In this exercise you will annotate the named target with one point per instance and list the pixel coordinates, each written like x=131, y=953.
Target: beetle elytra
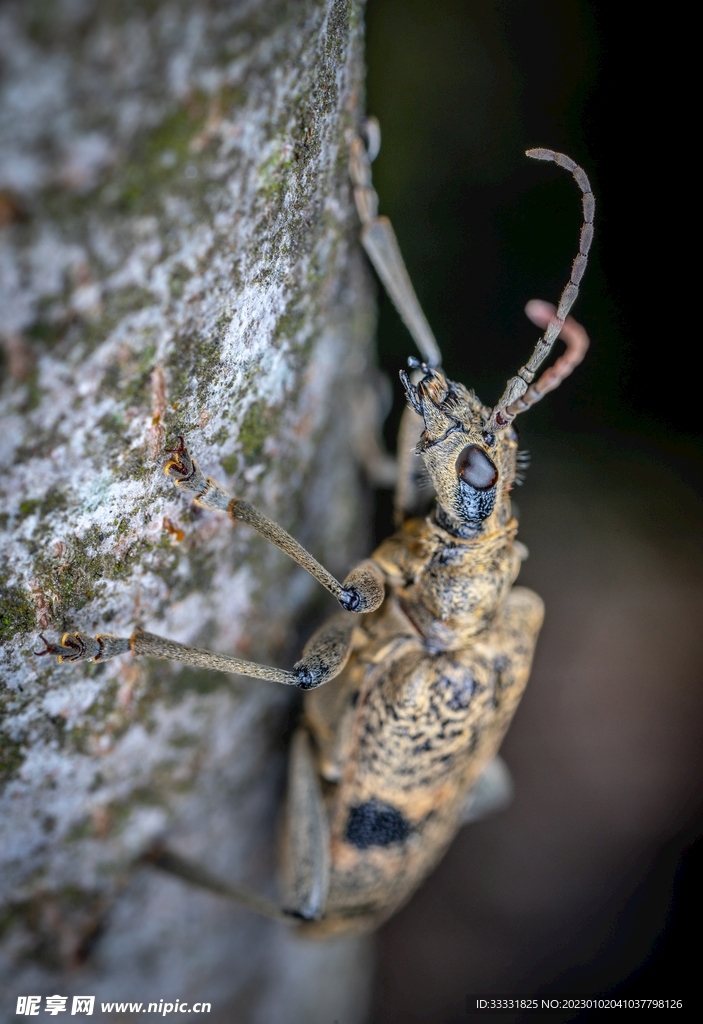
x=426, y=661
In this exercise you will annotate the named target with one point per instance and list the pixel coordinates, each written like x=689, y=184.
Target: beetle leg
x=306, y=849
x=82, y=647
x=356, y=594
x=324, y=656
x=381, y=245
x=173, y=864
x=306, y=835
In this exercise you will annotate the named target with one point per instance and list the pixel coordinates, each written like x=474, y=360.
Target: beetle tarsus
x=350, y=599
x=49, y=648
x=182, y=467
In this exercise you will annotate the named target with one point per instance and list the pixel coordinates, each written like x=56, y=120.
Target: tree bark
x=178, y=255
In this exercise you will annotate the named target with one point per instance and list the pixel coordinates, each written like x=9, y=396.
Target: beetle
x=411, y=686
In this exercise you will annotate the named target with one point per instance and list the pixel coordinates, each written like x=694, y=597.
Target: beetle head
x=472, y=466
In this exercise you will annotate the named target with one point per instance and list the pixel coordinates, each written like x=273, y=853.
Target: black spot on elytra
x=376, y=824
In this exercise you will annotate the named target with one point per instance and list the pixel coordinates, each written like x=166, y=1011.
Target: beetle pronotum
x=427, y=660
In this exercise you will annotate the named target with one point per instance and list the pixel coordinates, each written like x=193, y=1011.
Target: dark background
x=462, y=89
x=587, y=883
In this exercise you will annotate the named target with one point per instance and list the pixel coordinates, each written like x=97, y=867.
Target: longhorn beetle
x=426, y=662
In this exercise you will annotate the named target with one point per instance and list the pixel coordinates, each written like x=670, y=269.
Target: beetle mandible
x=432, y=649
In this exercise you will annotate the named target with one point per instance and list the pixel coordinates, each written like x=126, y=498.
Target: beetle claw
x=181, y=467
x=49, y=648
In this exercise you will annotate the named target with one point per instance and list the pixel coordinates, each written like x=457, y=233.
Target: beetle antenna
x=520, y=392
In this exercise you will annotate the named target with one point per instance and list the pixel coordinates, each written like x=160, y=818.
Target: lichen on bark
x=178, y=255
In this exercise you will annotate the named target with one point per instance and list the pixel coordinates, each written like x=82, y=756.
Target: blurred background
x=588, y=883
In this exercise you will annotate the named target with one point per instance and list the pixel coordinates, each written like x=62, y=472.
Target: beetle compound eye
x=475, y=468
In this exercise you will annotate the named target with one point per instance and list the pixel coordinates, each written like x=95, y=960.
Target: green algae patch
x=28, y=507
x=53, y=501
x=47, y=332
x=289, y=325
x=275, y=174
x=80, y=573
x=192, y=368
x=230, y=464
x=11, y=758
x=129, y=379
x=17, y=612
x=158, y=159
x=257, y=425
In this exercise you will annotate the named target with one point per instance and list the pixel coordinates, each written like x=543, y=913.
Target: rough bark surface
x=178, y=255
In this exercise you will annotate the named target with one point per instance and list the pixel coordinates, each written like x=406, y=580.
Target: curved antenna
x=520, y=392
x=378, y=238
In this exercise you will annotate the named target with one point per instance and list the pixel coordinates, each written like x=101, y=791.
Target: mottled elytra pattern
x=427, y=661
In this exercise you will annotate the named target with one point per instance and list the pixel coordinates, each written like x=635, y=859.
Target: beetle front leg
x=362, y=591
x=381, y=245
